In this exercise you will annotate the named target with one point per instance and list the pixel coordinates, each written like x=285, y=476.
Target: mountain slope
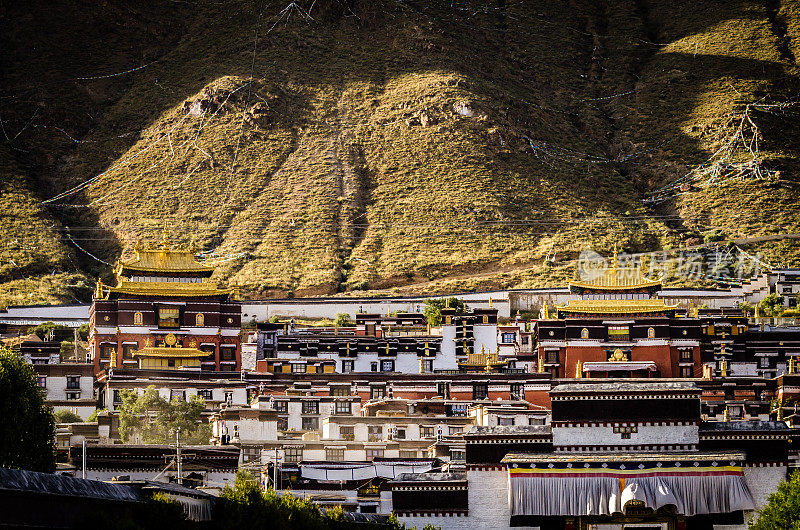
x=328, y=146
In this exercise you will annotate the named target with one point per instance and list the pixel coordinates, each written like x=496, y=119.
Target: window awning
x=697, y=483
x=620, y=366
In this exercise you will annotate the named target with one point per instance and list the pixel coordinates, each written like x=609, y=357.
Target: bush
x=782, y=509
x=66, y=416
x=342, y=319
x=434, y=306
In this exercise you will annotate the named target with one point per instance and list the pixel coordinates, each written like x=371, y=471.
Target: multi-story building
x=166, y=313
x=68, y=386
x=618, y=328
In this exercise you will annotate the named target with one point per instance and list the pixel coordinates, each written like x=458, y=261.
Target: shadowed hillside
x=337, y=145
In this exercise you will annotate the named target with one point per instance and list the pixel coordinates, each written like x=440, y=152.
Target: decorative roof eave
x=615, y=307
x=641, y=284
x=168, y=289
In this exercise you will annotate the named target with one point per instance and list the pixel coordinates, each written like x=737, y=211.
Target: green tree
x=93, y=415
x=247, y=505
x=782, y=510
x=342, y=319
x=27, y=429
x=66, y=416
x=771, y=306
x=154, y=420
x=434, y=306
x=60, y=332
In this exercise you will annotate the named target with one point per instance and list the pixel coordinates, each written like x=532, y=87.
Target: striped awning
x=602, y=484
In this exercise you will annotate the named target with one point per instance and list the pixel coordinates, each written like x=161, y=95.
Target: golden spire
x=579, y=370
x=541, y=364
x=490, y=302
x=164, y=236
x=447, y=303
x=614, y=260
x=726, y=416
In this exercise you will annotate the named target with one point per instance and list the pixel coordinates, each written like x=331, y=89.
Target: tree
x=59, y=331
x=93, y=415
x=782, y=509
x=342, y=319
x=66, y=416
x=434, y=306
x=771, y=306
x=247, y=505
x=27, y=429
x=153, y=420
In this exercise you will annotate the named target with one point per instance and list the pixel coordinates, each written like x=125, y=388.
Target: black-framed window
x=480, y=391
x=551, y=356
x=169, y=317
x=205, y=394
x=372, y=454
x=374, y=433
x=128, y=349
x=73, y=382
x=340, y=390
x=343, y=407
x=517, y=391
x=281, y=406
x=508, y=337
x=42, y=381
x=227, y=353
x=298, y=368
x=443, y=390
x=387, y=366
x=310, y=407
x=347, y=432
x=348, y=366
x=377, y=392
x=334, y=454
x=293, y=454
x=310, y=423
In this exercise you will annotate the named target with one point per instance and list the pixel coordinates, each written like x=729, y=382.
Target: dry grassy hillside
x=387, y=145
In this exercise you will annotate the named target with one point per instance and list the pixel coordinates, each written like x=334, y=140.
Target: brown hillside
x=339, y=145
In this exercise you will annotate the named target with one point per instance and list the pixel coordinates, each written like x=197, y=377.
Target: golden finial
x=541, y=364
x=164, y=236
x=726, y=415
x=780, y=410
x=614, y=260
x=98, y=293
x=490, y=302
x=447, y=303
x=579, y=370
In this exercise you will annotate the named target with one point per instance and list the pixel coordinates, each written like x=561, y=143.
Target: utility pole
x=275, y=472
x=180, y=462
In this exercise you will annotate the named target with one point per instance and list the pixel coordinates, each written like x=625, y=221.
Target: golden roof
x=164, y=261
x=651, y=305
x=166, y=351
x=615, y=278
x=164, y=258
x=480, y=360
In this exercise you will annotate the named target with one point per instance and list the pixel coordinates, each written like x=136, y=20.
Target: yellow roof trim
x=168, y=288
x=653, y=305
x=165, y=351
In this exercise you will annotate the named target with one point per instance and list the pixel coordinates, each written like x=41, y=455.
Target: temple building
x=618, y=327
x=616, y=455
x=165, y=313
